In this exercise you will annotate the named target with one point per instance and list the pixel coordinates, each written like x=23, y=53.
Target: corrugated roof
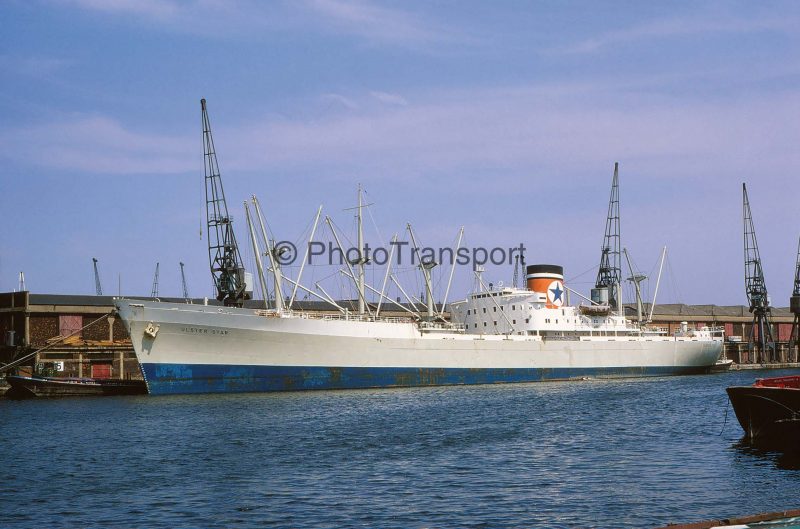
x=666, y=309
x=108, y=301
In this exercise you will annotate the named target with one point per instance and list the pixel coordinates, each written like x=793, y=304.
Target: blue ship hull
x=166, y=379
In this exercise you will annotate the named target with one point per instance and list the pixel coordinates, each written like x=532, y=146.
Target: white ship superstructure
x=541, y=310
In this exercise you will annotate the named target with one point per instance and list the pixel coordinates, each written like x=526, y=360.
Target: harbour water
x=595, y=453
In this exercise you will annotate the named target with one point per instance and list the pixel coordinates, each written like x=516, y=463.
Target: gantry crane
x=223, y=253
x=794, y=306
x=154, y=290
x=610, y=273
x=183, y=282
x=760, y=342
x=98, y=289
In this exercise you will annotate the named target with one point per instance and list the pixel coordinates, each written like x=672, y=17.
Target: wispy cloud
x=389, y=99
x=504, y=135
x=378, y=23
x=339, y=101
x=33, y=65
x=558, y=129
x=678, y=27
x=155, y=9
x=369, y=22
x=99, y=145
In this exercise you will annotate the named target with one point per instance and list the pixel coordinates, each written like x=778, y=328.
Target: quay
x=776, y=365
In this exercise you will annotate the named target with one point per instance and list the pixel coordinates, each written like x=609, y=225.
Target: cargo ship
x=495, y=335
x=498, y=335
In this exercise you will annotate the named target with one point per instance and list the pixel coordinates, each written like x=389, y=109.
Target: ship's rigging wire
x=573, y=279
x=344, y=284
x=676, y=294
x=725, y=422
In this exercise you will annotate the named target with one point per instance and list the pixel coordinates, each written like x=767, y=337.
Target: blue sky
x=504, y=117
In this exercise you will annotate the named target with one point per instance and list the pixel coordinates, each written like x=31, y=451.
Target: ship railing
x=556, y=338
x=309, y=315
x=650, y=330
x=716, y=332
x=432, y=326
x=357, y=317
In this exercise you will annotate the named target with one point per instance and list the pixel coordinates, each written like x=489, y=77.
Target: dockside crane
x=760, y=341
x=223, y=253
x=98, y=289
x=794, y=306
x=183, y=282
x=607, y=286
x=154, y=291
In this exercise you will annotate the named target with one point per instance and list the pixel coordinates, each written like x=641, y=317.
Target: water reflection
x=784, y=454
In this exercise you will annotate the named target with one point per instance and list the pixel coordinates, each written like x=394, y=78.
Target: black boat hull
x=767, y=413
x=29, y=387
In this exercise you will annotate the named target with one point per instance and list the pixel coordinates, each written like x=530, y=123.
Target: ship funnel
x=547, y=280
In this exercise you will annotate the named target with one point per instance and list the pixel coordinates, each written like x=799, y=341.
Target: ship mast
x=636, y=279
x=658, y=282
x=426, y=265
x=274, y=253
x=361, y=255
x=223, y=253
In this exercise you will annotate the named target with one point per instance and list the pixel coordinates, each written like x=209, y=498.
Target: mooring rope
x=725, y=422
x=18, y=361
